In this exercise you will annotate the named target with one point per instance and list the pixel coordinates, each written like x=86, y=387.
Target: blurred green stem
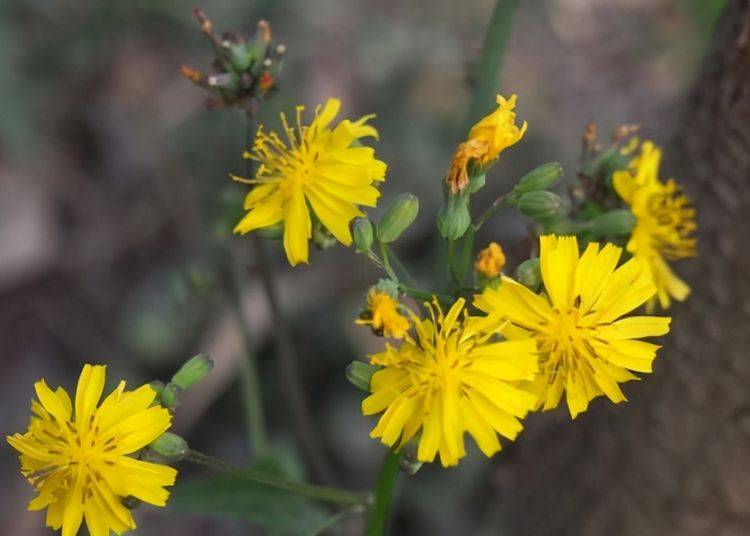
x=321, y=493
x=491, y=211
x=455, y=274
x=287, y=353
x=486, y=75
x=377, y=515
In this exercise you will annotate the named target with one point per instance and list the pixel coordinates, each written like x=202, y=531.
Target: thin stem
x=424, y=295
x=486, y=75
x=287, y=353
x=322, y=493
x=452, y=263
x=377, y=515
x=385, y=258
x=250, y=389
x=401, y=267
x=487, y=214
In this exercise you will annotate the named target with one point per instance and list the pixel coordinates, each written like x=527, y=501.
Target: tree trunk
x=676, y=458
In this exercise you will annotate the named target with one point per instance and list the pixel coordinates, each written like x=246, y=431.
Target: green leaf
x=237, y=498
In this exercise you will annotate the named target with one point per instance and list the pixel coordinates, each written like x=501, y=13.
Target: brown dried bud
x=194, y=75
x=589, y=136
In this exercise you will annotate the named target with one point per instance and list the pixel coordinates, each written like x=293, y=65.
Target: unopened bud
x=529, y=274
x=490, y=260
x=170, y=396
x=541, y=205
x=398, y=218
x=363, y=235
x=359, y=374
x=170, y=446
x=193, y=371
x=454, y=217
x=613, y=223
x=542, y=178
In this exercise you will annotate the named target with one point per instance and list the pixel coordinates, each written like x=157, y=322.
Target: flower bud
x=399, y=216
x=454, y=217
x=542, y=178
x=362, y=231
x=170, y=446
x=613, y=223
x=541, y=205
x=193, y=371
x=359, y=374
x=490, y=260
x=529, y=274
x=170, y=396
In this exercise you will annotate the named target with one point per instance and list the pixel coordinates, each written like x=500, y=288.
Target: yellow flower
x=318, y=168
x=585, y=348
x=383, y=315
x=77, y=457
x=450, y=380
x=490, y=260
x=664, y=225
x=487, y=139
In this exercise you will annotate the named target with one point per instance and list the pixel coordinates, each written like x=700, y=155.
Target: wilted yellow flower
x=319, y=168
x=490, y=260
x=450, y=380
x=78, y=457
x=383, y=315
x=585, y=348
x=487, y=139
x=664, y=225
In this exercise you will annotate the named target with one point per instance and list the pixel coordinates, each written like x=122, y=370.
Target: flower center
x=563, y=341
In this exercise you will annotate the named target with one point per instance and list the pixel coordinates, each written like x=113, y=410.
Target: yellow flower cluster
x=383, y=315
x=490, y=260
x=80, y=455
x=482, y=374
x=319, y=169
x=664, y=225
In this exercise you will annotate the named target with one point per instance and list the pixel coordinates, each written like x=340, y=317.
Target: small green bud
x=541, y=205
x=541, y=178
x=359, y=374
x=170, y=446
x=454, y=217
x=241, y=56
x=613, y=223
x=388, y=286
x=170, y=396
x=321, y=237
x=529, y=274
x=193, y=371
x=398, y=218
x=362, y=231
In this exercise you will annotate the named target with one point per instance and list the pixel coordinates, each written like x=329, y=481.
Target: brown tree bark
x=676, y=458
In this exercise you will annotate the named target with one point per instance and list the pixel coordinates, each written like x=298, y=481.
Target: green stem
x=486, y=75
x=322, y=493
x=487, y=214
x=400, y=266
x=385, y=259
x=250, y=390
x=377, y=515
x=452, y=263
x=424, y=295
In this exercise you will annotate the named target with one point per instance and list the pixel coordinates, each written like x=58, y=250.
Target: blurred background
x=113, y=177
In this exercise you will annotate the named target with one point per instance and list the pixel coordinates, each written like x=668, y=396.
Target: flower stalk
x=377, y=515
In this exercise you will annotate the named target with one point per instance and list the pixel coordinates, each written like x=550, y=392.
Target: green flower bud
x=359, y=374
x=193, y=371
x=399, y=216
x=541, y=205
x=454, y=217
x=170, y=396
x=542, y=178
x=529, y=274
x=362, y=231
x=388, y=286
x=170, y=446
x=321, y=237
x=613, y=223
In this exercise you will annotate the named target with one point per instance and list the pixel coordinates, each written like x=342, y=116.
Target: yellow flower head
x=450, y=380
x=319, y=168
x=487, y=139
x=79, y=457
x=490, y=260
x=585, y=348
x=664, y=225
x=383, y=315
